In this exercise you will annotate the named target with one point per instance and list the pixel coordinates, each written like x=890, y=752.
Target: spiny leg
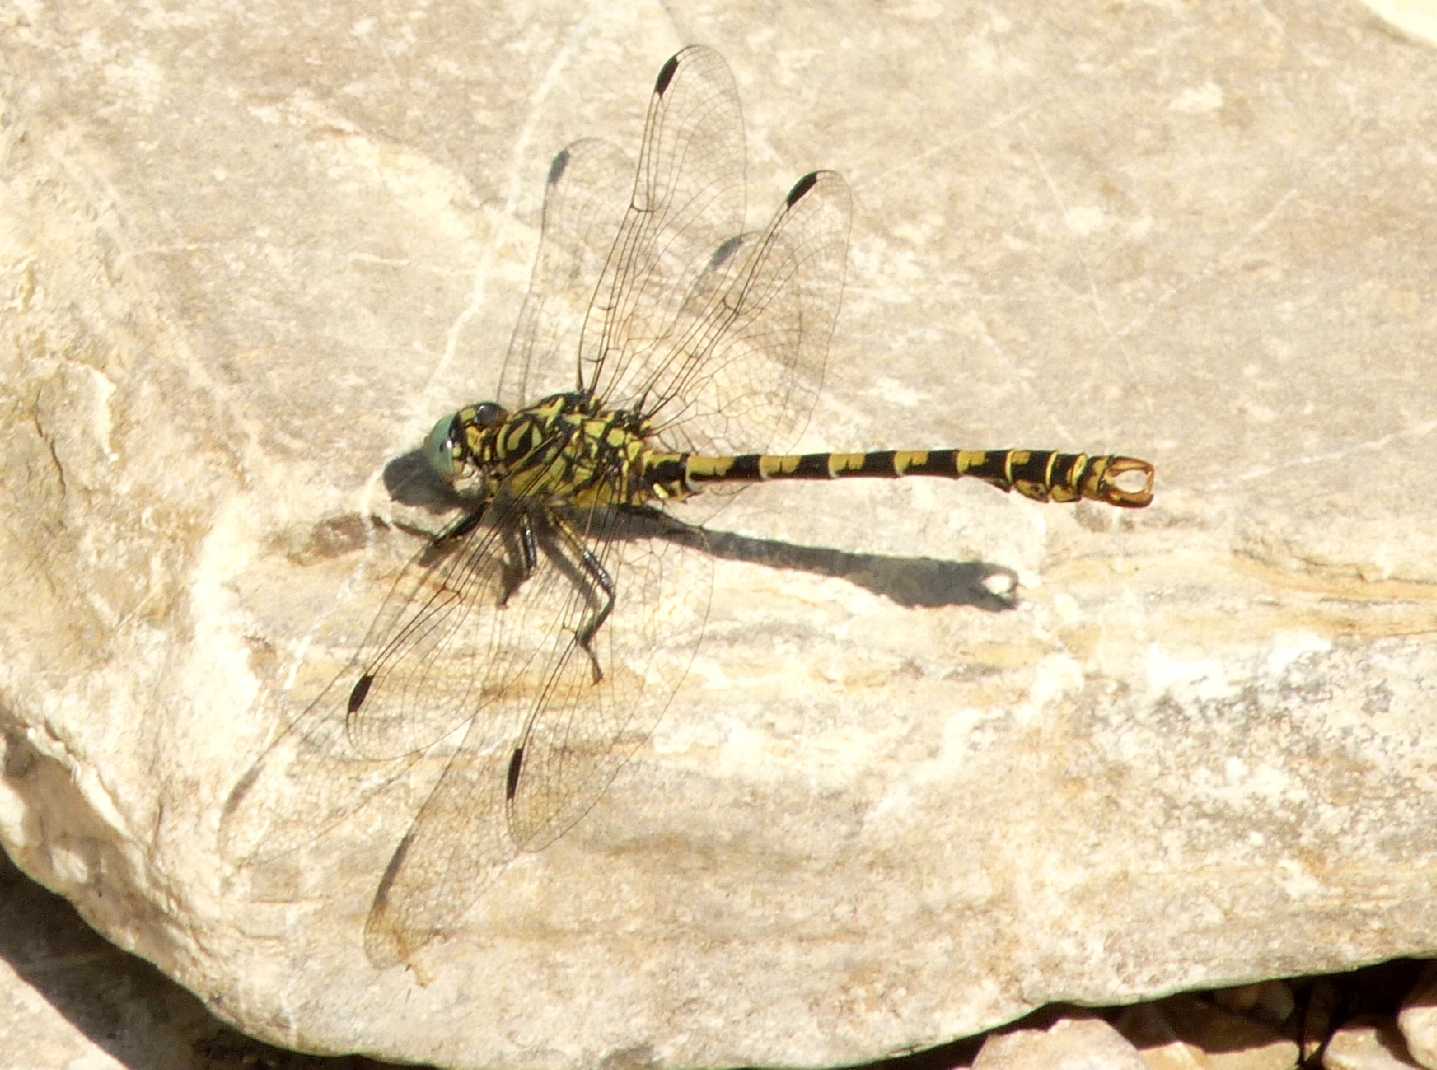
x=668, y=524
x=461, y=527
x=594, y=568
x=528, y=548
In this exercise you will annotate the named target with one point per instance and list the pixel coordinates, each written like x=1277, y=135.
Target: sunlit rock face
x=934, y=755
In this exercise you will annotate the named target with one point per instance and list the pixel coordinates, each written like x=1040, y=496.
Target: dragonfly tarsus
x=594, y=569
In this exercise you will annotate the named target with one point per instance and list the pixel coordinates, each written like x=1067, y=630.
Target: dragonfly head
x=456, y=448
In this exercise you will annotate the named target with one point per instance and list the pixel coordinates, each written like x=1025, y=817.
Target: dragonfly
x=531, y=647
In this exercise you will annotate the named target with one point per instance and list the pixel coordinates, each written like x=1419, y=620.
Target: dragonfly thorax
x=563, y=449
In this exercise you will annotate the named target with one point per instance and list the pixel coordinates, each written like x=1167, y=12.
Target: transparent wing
x=448, y=642
x=467, y=665
x=455, y=847
x=583, y=717
x=531, y=651
x=305, y=783
x=585, y=196
x=753, y=335
x=688, y=198
x=578, y=735
x=438, y=652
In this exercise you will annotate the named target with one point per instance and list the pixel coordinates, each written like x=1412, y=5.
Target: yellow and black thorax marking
x=563, y=449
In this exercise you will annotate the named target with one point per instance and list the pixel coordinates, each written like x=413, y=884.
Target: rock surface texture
x=943, y=756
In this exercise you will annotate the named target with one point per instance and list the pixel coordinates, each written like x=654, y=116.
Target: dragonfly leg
x=596, y=572
x=461, y=527
x=668, y=524
x=528, y=549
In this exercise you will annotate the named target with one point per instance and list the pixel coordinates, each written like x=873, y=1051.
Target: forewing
x=687, y=199
x=441, y=649
x=584, y=200
x=437, y=653
x=756, y=329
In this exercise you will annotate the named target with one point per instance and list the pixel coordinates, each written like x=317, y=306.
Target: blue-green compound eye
x=439, y=448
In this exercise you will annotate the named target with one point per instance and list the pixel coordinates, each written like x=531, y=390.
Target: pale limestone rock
x=1368, y=1043
x=69, y=999
x=1416, y=18
x=1187, y=1032
x=246, y=264
x=1418, y=1019
x=1068, y=1044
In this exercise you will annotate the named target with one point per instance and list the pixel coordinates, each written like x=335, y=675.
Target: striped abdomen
x=1043, y=475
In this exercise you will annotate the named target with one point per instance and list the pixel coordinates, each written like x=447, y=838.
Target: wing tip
x=666, y=73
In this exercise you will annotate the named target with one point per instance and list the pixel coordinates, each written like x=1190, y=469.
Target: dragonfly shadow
x=909, y=581
x=410, y=480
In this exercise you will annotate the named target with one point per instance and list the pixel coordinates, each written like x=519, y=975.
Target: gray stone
x=1368, y=1042
x=1068, y=1044
x=1418, y=1019
x=1186, y=1031
x=898, y=799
